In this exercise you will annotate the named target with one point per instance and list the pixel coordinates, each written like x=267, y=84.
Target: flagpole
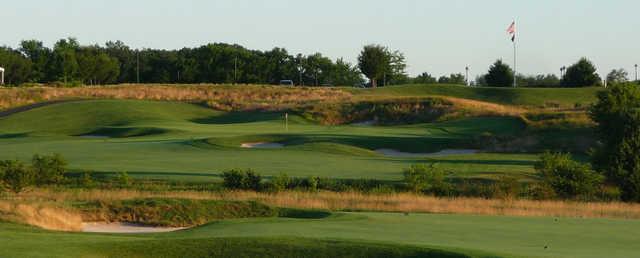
x=515, y=64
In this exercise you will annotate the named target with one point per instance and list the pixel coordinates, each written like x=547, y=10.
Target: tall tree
x=581, y=74
x=618, y=117
x=39, y=56
x=617, y=76
x=18, y=67
x=374, y=61
x=499, y=75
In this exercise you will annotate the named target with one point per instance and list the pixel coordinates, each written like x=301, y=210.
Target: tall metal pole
x=515, y=64
x=235, y=71
x=636, y=72
x=467, y=75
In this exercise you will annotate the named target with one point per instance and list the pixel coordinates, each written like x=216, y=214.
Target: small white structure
x=2, y=76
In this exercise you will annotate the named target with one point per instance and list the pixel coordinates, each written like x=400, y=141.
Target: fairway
x=476, y=236
x=184, y=141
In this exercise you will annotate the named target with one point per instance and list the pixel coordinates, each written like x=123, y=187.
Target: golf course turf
x=172, y=140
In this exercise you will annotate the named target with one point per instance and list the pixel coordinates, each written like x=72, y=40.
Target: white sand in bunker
x=124, y=228
x=400, y=154
x=262, y=145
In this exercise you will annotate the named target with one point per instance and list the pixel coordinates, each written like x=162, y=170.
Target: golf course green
x=191, y=142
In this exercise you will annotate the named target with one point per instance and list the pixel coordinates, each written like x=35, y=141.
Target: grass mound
x=267, y=247
x=537, y=97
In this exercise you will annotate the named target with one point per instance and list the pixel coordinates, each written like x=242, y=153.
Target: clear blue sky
x=437, y=36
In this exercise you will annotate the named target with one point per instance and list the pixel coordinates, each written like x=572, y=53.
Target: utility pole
x=636, y=72
x=466, y=77
x=137, y=66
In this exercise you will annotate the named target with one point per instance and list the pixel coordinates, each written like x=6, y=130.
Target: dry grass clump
x=223, y=97
x=40, y=215
x=481, y=108
x=354, y=201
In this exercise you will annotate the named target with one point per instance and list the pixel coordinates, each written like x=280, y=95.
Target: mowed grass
x=535, y=97
x=192, y=142
x=412, y=235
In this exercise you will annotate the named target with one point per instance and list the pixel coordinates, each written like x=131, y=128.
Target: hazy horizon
x=439, y=37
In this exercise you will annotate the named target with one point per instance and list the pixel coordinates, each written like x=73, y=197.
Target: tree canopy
x=581, y=74
x=499, y=75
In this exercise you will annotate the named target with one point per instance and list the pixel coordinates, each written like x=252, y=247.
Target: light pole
x=466, y=75
x=137, y=66
x=636, y=72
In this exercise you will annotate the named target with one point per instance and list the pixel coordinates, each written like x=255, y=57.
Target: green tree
x=18, y=68
x=65, y=59
x=39, y=56
x=374, y=61
x=499, y=75
x=581, y=74
x=567, y=178
x=17, y=176
x=48, y=169
x=617, y=76
x=425, y=78
x=452, y=79
x=617, y=114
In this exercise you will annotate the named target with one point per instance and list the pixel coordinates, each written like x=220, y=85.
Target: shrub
x=506, y=187
x=618, y=117
x=280, y=183
x=425, y=178
x=123, y=178
x=86, y=179
x=243, y=180
x=567, y=178
x=48, y=169
x=16, y=175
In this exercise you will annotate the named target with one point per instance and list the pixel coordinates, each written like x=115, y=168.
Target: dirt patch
x=125, y=228
x=400, y=154
x=262, y=145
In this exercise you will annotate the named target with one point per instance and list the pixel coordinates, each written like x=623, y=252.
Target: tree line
x=69, y=63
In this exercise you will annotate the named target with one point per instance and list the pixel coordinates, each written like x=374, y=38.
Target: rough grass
x=43, y=215
x=171, y=212
x=245, y=97
x=352, y=201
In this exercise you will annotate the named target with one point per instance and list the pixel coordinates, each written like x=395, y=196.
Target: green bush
x=123, y=178
x=506, y=187
x=48, y=169
x=567, y=178
x=242, y=180
x=426, y=178
x=16, y=175
x=617, y=114
x=280, y=183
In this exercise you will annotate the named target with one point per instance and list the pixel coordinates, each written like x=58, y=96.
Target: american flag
x=512, y=31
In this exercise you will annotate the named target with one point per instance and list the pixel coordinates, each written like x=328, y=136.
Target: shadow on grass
x=240, y=117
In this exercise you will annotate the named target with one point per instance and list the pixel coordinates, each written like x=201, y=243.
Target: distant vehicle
x=286, y=83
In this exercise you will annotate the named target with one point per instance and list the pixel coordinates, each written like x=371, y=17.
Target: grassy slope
x=475, y=235
x=566, y=97
x=184, y=139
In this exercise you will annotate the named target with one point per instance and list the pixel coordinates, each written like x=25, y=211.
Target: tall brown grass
x=354, y=201
x=224, y=97
x=42, y=215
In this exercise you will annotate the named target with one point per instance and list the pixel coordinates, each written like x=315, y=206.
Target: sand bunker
x=400, y=154
x=262, y=145
x=123, y=228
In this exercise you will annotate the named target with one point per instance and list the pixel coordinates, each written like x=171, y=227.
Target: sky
x=437, y=36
